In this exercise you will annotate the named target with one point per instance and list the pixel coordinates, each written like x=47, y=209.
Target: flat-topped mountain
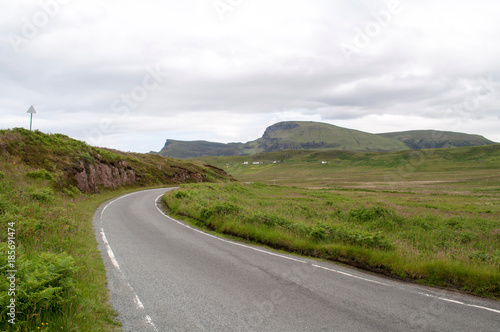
x=426, y=139
x=304, y=135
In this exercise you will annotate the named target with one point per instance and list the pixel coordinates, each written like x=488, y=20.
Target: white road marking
x=224, y=240
x=112, y=257
x=110, y=252
x=322, y=267
x=350, y=275
x=150, y=322
x=460, y=302
x=138, y=302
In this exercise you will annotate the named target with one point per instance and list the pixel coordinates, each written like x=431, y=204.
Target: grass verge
x=60, y=276
x=433, y=240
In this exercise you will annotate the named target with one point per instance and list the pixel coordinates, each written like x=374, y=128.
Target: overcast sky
x=129, y=74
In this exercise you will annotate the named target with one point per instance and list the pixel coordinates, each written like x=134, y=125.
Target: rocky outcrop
x=287, y=125
x=90, y=177
x=183, y=175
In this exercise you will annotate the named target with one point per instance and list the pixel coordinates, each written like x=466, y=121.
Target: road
x=166, y=276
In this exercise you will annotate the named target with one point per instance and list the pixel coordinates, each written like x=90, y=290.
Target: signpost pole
x=31, y=111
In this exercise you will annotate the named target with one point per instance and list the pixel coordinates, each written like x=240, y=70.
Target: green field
x=430, y=216
x=441, y=170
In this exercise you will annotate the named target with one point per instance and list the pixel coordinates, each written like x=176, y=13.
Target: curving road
x=166, y=276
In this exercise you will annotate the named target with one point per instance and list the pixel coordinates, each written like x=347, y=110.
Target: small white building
x=245, y=163
x=323, y=162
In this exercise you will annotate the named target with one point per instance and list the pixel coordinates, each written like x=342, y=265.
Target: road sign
x=31, y=111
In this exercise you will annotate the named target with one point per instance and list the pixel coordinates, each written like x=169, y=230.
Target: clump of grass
x=43, y=194
x=355, y=227
x=40, y=174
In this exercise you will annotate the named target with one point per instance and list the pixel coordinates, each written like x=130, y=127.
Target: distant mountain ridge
x=306, y=135
x=425, y=139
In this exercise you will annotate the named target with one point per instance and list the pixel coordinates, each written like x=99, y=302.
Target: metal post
x=31, y=111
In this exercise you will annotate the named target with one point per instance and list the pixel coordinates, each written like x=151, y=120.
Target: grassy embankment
x=60, y=276
x=437, y=223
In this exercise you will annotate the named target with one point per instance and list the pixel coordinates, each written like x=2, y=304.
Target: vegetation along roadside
x=50, y=187
x=432, y=239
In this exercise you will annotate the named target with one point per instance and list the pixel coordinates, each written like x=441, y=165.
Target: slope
x=287, y=135
x=297, y=135
x=426, y=139
x=47, y=242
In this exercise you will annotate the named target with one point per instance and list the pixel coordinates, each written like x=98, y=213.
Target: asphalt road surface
x=166, y=276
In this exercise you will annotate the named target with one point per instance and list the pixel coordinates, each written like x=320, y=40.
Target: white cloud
x=226, y=80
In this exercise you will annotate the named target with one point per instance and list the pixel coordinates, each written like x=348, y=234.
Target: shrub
x=43, y=195
x=4, y=204
x=371, y=213
x=181, y=194
x=268, y=219
x=43, y=283
x=40, y=174
x=347, y=234
x=220, y=208
x=71, y=191
x=319, y=232
x=86, y=158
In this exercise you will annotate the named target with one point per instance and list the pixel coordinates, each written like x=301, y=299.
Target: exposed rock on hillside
x=74, y=163
x=183, y=175
x=93, y=176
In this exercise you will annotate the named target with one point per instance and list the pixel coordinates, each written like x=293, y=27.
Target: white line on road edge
x=350, y=275
x=459, y=302
x=224, y=240
x=321, y=267
x=110, y=252
x=111, y=255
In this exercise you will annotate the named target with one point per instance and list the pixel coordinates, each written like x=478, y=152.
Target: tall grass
x=373, y=230
x=60, y=278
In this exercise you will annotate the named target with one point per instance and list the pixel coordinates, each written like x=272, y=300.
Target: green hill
x=194, y=149
x=50, y=188
x=427, y=139
x=298, y=135
x=301, y=135
x=285, y=136
x=74, y=163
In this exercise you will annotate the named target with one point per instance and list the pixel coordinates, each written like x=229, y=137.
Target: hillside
x=428, y=139
x=287, y=135
x=301, y=135
x=74, y=163
x=50, y=188
x=296, y=135
x=194, y=149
